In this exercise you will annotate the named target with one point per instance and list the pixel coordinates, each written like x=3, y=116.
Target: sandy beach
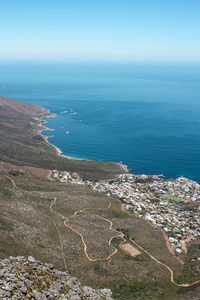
x=58, y=150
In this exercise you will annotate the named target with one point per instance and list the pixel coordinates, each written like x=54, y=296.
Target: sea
x=145, y=115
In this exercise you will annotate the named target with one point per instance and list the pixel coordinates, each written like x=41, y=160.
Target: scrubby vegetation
x=30, y=224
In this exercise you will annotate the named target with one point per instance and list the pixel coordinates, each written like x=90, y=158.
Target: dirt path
x=15, y=221
x=14, y=185
x=159, y=262
x=61, y=247
x=59, y=236
x=121, y=235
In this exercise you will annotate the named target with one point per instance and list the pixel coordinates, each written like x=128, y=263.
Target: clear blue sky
x=138, y=30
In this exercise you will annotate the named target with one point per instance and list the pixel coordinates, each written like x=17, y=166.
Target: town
x=172, y=205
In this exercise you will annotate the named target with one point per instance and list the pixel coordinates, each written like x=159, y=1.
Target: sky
x=110, y=30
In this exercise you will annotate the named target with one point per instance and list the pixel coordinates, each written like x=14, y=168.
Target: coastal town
x=172, y=205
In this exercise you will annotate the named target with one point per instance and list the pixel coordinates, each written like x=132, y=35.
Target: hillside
x=22, y=143
x=80, y=231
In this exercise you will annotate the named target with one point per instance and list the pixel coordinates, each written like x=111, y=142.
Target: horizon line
x=95, y=61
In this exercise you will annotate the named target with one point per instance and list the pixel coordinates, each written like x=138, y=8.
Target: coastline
x=58, y=151
x=42, y=127
x=124, y=167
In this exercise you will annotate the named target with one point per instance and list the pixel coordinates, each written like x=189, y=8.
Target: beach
x=148, y=122
x=58, y=150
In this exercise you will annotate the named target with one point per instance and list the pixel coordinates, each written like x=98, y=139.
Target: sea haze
x=147, y=116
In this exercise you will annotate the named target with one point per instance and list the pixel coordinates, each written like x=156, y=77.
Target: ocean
x=146, y=116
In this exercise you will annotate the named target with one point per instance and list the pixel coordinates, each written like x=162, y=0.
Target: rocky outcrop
x=22, y=278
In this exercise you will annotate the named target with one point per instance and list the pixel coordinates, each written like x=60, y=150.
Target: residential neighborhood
x=66, y=177
x=173, y=205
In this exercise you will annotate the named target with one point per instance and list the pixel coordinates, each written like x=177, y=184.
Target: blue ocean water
x=145, y=115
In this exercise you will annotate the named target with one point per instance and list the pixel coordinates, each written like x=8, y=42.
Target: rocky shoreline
x=27, y=278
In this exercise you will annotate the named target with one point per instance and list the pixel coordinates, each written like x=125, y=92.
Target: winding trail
x=59, y=235
x=170, y=270
x=115, y=249
x=15, y=221
x=121, y=235
x=14, y=185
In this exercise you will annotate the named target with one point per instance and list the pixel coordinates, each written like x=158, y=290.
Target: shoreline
x=41, y=127
x=58, y=150
x=60, y=153
x=124, y=167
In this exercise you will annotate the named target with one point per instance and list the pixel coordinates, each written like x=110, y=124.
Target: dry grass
x=32, y=232
x=28, y=224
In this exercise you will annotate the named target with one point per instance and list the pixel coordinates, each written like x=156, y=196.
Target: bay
x=145, y=115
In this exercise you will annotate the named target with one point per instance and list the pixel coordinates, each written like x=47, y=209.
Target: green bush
x=5, y=225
